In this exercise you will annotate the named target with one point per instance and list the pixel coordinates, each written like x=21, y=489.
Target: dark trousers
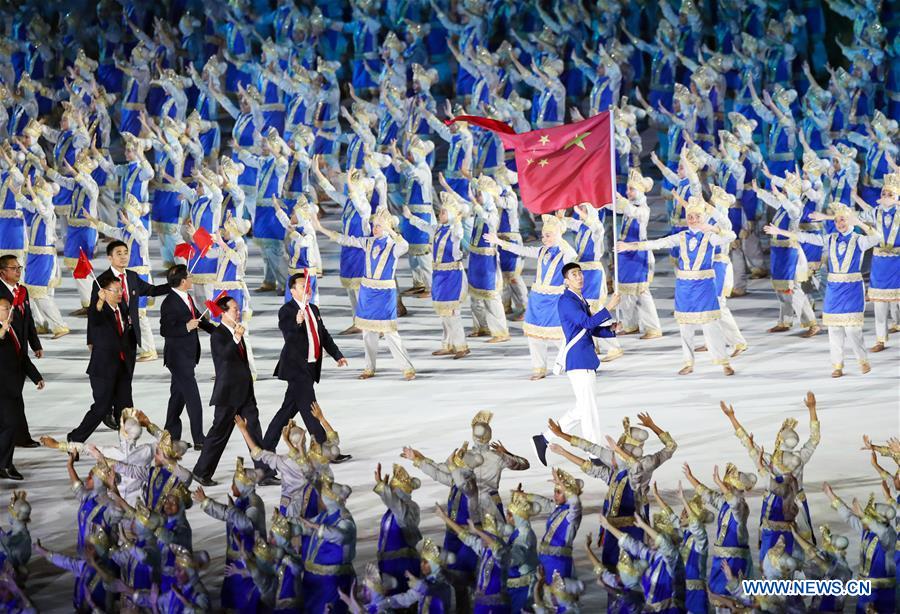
x=22, y=435
x=220, y=432
x=110, y=394
x=183, y=391
x=298, y=398
x=12, y=413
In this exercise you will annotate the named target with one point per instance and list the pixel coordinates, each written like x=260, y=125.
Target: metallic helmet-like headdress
x=400, y=479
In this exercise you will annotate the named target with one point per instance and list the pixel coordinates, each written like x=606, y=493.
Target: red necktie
x=241, y=349
x=19, y=298
x=16, y=342
x=124, y=288
x=314, y=330
x=191, y=305
x=120, y=329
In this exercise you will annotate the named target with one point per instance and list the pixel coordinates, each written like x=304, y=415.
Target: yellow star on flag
x=577, y=141
x=530, y=160
x=543, y=162
x=544, y=139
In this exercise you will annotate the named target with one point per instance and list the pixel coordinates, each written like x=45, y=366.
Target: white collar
x=181, y=293
x=117, y=273
x=11, y=288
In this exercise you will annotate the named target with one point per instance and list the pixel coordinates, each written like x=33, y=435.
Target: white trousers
x=454, y=335
x=148, y=342
x=883, y=309
x=836, y=337
x=585, y=412
x=488, y=316
x=795, y=304
x=353, y=295
x=251, y=361
x=395, y=345
x=515, y=292
x=752, y=249
x=203, y=293
x=639, y=312
x=730, y=331
x=84, y=290
x=712, y=336
x=538, y=349
x=739, y=266
x=420, y=268
x=46, y=313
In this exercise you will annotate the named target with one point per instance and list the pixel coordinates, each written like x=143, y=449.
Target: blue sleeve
x=573, y=312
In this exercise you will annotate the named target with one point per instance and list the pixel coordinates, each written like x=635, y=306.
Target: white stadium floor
x=377, y=417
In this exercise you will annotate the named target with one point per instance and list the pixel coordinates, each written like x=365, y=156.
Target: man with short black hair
x=300, y=363
x=179, y=319
x=23, y=322
x=16, y=366
x=111, y=366
x=578, y=357
x=133, y=287
x=232, y=393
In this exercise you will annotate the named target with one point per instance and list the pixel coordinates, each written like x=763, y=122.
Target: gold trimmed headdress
x=836, y=544
x=738, y=479
x=569, y=484
x=400, y=479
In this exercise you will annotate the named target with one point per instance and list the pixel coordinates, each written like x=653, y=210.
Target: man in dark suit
x=16, y=366
x=23, y=322
x=111, y=366
x=179, y=320
x=300, y=363
x=232, y=393
x=133, y=287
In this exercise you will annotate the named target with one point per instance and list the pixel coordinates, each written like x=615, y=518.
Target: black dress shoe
x=341, y=458
x=13, y=474
x=270, y=480
x=110, y=421
x=30, y=444
x=205, y=481
x=540, y=446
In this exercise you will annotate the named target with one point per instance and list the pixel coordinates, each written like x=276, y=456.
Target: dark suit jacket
x=137, y=287
x=234, y=383
x=292, y=364
x=108, y=343
x=15, y=368
x=24, y=325
x=182, y=346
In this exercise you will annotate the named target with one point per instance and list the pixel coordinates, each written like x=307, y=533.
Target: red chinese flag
x=19, y=297
x=214, y=310
x=202, y=239
x=83, y=268
x=306, y=285
x=564, y=166
x=184, y=250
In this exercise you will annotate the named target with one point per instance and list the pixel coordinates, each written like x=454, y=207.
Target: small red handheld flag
x=19, y=297
x=202, y=239
x=184, y=250
x=83, y=268
x=211, y=306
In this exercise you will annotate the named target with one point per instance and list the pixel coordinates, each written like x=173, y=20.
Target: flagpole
x=193, y=266
x=615, y=232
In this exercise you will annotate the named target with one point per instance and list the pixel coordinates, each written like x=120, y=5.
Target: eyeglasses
x=13, y=268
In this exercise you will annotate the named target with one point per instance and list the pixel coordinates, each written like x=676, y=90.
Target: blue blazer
x=575, y=316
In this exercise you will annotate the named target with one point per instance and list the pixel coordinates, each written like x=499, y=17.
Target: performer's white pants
x=203, y=293
x=395, y=344
x=251, y=361
x=836, y=337
x=353, y=295
x=752, y=249
x=46, y=313
x=106, y=207
x=730, y=331
x=84, y=290
x=712, y=335
x=148, y=343
x=882, y=311
x=538, y=349
x=454, y=335
x=585, y=412
x=795, y=303
x=420, y=268
x=488, y=316
x=739, y=266
x=515, y=292
x=639, y=311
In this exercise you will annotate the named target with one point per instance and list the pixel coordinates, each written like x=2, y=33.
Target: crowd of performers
x=498, y=554
x=750, y=144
